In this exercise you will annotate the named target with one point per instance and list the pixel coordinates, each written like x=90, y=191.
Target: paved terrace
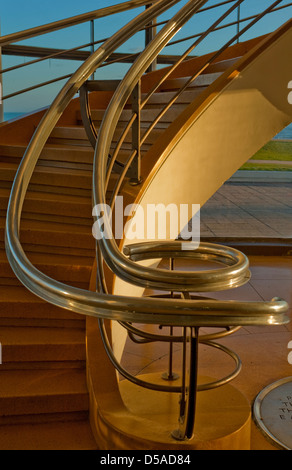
x=250, y=205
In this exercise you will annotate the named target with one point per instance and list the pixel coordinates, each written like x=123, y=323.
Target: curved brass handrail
x=84, y=102
x=187, y=312
x=117, y=261
x=182, y=312
x=73, y=20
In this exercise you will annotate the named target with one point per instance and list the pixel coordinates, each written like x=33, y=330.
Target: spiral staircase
x=69, y=302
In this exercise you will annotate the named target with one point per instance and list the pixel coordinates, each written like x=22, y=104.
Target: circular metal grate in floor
x=272, y=412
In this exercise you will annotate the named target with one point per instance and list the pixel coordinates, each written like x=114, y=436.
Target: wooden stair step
x=29, y=393
x=147, y=115
x=73, y=252
x=36, y=345
x=52, y=189
x=51, y=152
x=53, y=180
x=21, y=307
x=50, y=176
x=163, y=98
x=57, y=219
x=43, y=232
x=203, y=80
x=221, y=65
x=77, y=134
x=78, y=209
x=76, y=435
x=60, y=267
x=65, y=165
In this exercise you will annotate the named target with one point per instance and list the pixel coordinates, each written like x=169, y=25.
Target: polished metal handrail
x=118, y=262
x=90, y=17
x=73, y=20
x=233, y=23
x=85, y=108
x=134, y=157
x=90, y=303
x=69, y=22
x=61, y=24
x=187, y=312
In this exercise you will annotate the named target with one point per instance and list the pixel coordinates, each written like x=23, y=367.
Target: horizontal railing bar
x=191, y=79
x=130, y=271
x=65, y=54
x=217, y=5
x=34, y=87
x=163, y=59
x=46, y=52
x=202, y=10
x=182, y=58
x=55, y=55
x=140, y=310
x=234, y=23
x=73, y=21
x=83, y=18
x=129, y=58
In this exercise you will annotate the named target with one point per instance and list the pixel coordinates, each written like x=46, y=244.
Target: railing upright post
x=135, y=171
x=150, y=33
x=238, y=24
x=92, y=42
x=170, y=375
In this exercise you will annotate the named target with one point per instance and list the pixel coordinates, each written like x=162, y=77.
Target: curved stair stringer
x=248, y=102
x=218, y=132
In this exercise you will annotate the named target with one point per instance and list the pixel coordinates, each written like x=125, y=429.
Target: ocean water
x=284, y=134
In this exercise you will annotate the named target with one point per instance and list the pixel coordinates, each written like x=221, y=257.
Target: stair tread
x=25, y=335
x=50, y=393
x=49, y=346
x=20, y=294
x=43, y=169
x=54, y=197
x=46, y=205
x=76, y=435
x=53, y=260
x=51, y=152
x=17, y=302
x=46, y=226
x=32, y=383
x=70, y=134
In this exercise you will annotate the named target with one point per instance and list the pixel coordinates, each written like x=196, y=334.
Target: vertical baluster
x=150, y=33
x=135, y=171
x=188, y=399
x=170, y=375
x=92, y=42
x=238, y=23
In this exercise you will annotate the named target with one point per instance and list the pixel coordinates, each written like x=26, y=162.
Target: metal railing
x=187, y=310
x=133, y=165
x=7, y=42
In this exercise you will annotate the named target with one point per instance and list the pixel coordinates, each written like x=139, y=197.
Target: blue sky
x=18, y=15
x=22, y=14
